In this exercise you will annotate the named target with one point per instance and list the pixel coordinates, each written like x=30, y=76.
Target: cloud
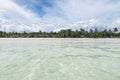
x=11, y=11
x=45, y=15
x=86, y=9
x=13, y=17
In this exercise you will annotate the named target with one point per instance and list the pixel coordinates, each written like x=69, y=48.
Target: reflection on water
x=59, y=59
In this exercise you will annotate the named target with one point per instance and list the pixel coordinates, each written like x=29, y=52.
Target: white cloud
x=64, y=14
x=16, y=18
x=86, y=9
x=117, y=21
x=11, y=11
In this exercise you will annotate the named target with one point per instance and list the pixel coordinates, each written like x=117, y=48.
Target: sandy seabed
x=59, y=59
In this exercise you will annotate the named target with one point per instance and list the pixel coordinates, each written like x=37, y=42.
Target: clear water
x=59, y=59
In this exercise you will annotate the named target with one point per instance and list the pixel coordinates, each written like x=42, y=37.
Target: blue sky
x=36, y=6
x=48, y=15
x=95, y=8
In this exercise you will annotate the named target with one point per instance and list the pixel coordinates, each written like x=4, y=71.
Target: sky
x=54, y=15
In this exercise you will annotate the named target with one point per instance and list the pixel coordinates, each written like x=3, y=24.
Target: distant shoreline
x=60, y=38
x=82, y=33
x=27, y=40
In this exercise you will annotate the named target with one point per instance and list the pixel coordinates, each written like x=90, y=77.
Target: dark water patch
x=81, y=56
x=91, y=56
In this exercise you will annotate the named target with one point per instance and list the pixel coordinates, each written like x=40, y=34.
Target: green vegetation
x=65, y=34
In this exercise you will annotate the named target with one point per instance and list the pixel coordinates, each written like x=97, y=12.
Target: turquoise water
x=59, y=59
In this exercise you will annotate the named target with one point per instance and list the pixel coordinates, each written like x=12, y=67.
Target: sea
x=59, y=59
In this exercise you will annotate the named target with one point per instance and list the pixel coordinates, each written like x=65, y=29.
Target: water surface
x=59, y=59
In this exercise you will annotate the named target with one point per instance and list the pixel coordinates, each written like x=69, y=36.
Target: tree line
x=82, y=33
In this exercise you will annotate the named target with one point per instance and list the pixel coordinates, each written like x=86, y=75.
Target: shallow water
x=59, y=59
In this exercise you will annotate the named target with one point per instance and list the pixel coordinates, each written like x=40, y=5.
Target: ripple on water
x=56, y=59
